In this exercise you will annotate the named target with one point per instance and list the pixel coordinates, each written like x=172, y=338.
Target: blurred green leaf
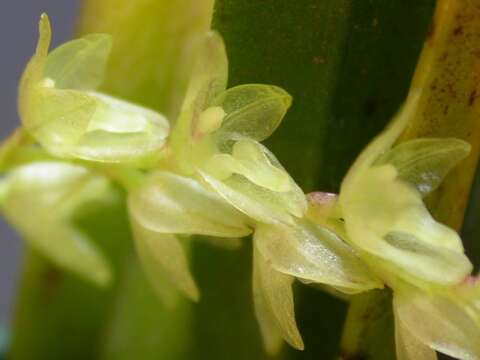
x=347, y=65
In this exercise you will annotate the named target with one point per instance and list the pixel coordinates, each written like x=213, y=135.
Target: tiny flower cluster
x=210, y=175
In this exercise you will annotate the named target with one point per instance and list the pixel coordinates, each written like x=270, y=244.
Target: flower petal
x=49, y=193
x=71, y=123
x=380, y=144
x=79, y=64
x=209, y=78
x=314, y=254
x=164, y=259
x=256, y=202
x=444, y=326
x=425, y=162
x=395, y=225
x=170, y=203
x=256, y=183
x=249, y=159
x=253, y=110
x=273, y=300
x=408, y=346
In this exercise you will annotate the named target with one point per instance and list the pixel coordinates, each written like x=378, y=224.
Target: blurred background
x=18, y=36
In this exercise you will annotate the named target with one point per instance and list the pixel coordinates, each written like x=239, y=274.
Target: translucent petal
x=34, y=71
x=379, y=145
x=273, y=300
x=314, y=254
x=57, y=118
x=169, y=203
x=120, y=131
x=225, y=243
x=70, y=123
x=394, y=224
x=209, y=78
x=425, y=162
x=258, y=203
x=468, y=295
x=94, y=126
x=249, y=159
x=245, y=192
x=163, y=258
x=408, y=346
x=49, y=193
x=253, y=110
x=444, y=326
x=79, y=64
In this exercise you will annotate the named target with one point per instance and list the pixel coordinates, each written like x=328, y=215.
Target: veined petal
x=71, y=123
x=394, y=224
x=170, y=203
x=119, y=131
x=408, y=346
x=250, y=160
x=253, y=110
x=273, y=300
x=254, y=182
x=314, y=254
x=164, y=259
x=79, y=64
x=425, y=162
x=444, y=326
x=92, y=126
x=258, y=203
x=467, y=295
x=49, y=193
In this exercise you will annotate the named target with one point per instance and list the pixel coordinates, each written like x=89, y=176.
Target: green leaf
x=337, y=59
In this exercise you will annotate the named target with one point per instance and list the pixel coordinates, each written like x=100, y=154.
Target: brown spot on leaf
x=445, y=110
x=458, y=31
x=431, y=32
x=53, y=279
x=472, y=97
x=317, y=60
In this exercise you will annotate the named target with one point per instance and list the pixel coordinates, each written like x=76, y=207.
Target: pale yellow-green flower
x=61, y=109
x=380, y=212
x=40, y=200
x=229, y=185
x=210, y=177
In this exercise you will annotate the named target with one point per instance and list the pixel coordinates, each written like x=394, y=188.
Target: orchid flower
x=61, y=109
x=227, y=184
x=40, y=200
x=380, y=212
x=210, y=177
